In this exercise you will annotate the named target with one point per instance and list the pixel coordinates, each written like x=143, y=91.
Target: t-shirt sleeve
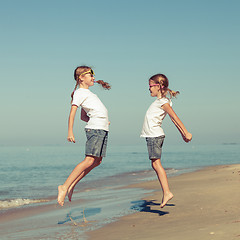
x=78, y=98
x=163, y=101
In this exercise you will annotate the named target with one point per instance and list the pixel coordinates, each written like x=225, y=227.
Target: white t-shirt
x=154, y=117
x=91, y=104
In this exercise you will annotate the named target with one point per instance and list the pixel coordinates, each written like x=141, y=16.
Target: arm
x=84, y=116
x=72, y=114
x=175, y=119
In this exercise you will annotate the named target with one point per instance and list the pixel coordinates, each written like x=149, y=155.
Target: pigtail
x=166, y=91
x=74, y=91
x=105, y=85
x=172, y=93
x=162, y=80
x=82, y=70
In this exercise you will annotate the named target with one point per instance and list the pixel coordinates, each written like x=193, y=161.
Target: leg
x=78, y=172
x=96, y=163
x=162, y=177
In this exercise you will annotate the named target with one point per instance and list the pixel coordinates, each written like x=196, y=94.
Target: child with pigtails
x=96, y=115
x=153, y=132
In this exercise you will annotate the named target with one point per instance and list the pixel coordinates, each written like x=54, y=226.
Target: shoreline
x=139, y=215
x=205, y=206
x=121, y=179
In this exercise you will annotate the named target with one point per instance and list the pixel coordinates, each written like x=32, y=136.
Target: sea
x=29, y=176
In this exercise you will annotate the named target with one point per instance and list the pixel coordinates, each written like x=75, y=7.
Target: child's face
x=154, y=88
x=87, y=80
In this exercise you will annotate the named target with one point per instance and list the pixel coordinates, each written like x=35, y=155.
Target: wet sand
x=206, y=205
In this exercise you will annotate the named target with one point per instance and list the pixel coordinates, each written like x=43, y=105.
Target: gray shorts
x=96, y=144
x=154, y=145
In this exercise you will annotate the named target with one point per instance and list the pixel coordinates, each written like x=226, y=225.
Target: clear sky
x=194, y=43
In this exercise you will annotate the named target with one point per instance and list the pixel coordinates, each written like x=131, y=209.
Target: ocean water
x=30, y=175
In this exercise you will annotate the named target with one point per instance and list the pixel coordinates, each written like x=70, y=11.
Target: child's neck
x=159, y=96
x=85, y=86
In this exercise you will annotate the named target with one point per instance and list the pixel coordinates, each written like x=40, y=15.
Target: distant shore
x=205, y=206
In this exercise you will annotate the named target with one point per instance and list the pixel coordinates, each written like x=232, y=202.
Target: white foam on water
x=19, y=202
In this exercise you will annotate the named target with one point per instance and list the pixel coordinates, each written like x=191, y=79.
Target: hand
x=187, y=137
x=71, y=138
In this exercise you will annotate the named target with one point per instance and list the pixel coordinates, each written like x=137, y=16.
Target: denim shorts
x=154, y=145
x=96, y=144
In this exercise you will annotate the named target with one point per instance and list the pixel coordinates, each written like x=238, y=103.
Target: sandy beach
x=205, y=206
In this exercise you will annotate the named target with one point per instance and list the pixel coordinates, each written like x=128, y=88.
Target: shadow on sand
x=145, y=206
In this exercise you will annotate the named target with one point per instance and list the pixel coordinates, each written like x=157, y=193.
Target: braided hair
x=79, y=71
x=162, y=80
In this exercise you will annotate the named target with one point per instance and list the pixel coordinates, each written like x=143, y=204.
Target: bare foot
x=166, y=197
x=70, y=193
x=61, y=195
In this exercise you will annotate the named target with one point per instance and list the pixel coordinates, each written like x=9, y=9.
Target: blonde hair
x=79, y=71
x=162, y=80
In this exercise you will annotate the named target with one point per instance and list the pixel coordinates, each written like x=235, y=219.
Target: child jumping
x=153, y=132
x=96, y=115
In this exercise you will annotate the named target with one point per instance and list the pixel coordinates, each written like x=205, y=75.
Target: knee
x=90, y=160
x=94, y=161
x=154, y=164
x=97, y=161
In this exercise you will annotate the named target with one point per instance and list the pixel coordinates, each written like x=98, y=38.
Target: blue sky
x=194, y=43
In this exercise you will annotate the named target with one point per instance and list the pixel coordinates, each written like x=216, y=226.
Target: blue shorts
x=154, y=145
x=96, y=144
